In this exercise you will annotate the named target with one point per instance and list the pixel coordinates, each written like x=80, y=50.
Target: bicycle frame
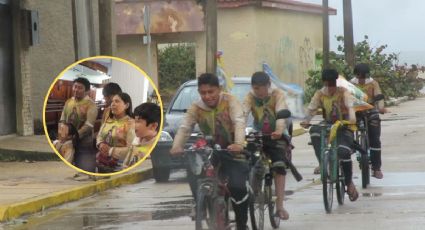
x=328, y=148
x=261, y=181
x=330, y=170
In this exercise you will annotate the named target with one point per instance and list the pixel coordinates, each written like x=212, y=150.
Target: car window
x=185, y=98
x=189, y=94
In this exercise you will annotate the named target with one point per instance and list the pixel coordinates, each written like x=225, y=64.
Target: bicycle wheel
x=256, y=212
x=327, y=182
x=340, y=185
x=364, y=160
x=203, y=209
x=268, y=196
x=220, y=214
x=257, y=203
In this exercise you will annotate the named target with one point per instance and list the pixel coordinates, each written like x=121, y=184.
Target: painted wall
x=55, y=50
x=237, y=36
x=286, y=40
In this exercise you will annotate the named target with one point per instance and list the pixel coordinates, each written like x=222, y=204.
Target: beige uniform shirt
x=277, y=103
x=346, y=107
x=371, y=88
x=235, y=115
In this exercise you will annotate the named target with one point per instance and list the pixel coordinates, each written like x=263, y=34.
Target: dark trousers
x=85, y=158
x=374, y=130
x=345, y=139
x=236, y=173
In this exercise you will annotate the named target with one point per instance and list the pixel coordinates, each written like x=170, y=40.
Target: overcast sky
x=399, y=24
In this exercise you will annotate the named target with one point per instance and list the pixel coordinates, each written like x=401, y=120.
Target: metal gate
x=7, y=86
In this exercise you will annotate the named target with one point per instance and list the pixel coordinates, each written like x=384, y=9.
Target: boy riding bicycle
x=336, y=104
x=219, y=115
x=264, y=102
x=371, y=88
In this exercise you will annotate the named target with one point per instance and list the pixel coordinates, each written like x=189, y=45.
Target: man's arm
x=238, y=119
x=185, y=129
x=313, y=106
x=87, y=128
x=246, y=106
x=376, y=91
x=349, y=102
x=63, y=112
x=280, y=104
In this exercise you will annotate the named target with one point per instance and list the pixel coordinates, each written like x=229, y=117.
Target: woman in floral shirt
x=116, y=134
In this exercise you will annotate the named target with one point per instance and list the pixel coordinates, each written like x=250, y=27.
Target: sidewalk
x=30, y=148
x=31, y=187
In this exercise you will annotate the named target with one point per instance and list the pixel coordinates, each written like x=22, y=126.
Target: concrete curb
x=33, y=205
x=22, y=155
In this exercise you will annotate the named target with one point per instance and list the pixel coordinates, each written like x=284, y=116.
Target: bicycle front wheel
x=204, y=210
x=327, y=181
x=364, y=159
x=268, y=195
x=340, y=186
x=257, y=206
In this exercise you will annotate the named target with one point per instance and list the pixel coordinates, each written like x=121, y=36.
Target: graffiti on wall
x=291, y=60
x=166, y=17
x=280, y=56
x=306, y=57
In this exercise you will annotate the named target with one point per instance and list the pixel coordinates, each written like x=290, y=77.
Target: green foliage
x=176, y=65
x=383, y=69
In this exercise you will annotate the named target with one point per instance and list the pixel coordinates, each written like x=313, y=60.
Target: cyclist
x=264, y=102
x=220, y=115
x=336, y=104
x=371, y=88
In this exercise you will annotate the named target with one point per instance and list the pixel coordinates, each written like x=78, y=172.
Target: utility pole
x=84, y=38
x=348, y=33
x=325, y=14
x=211, y=34
x=107, y=32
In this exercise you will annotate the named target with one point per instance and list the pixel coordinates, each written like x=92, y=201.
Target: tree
x=176, y=65
x=383, y=67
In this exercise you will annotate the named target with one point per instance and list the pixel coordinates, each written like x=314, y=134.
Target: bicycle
x=330, y=165
x=361, y=143
x=212, y=204
x=261, y=177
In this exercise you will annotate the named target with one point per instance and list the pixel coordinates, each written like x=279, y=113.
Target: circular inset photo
x=102, y=116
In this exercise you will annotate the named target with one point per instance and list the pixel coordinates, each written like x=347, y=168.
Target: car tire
x=161, y=174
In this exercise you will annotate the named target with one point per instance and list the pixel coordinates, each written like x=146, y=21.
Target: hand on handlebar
x=235, y=148
x=276, y=135
x=176, y=151
x=305, y=124
x=384, y=110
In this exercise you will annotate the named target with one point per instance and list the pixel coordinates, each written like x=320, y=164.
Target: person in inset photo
x=147, y=118
x=115, y=135
x=67, y=141
x=109, y=91
x=81, y=111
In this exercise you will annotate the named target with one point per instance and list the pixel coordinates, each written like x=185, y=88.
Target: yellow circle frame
x=44, y=116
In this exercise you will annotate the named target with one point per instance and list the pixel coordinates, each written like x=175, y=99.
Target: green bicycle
x=330, y=167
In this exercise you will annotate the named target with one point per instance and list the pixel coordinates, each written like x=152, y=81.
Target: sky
x=396, y=23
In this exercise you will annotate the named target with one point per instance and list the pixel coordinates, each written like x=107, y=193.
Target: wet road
x=396, y=202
